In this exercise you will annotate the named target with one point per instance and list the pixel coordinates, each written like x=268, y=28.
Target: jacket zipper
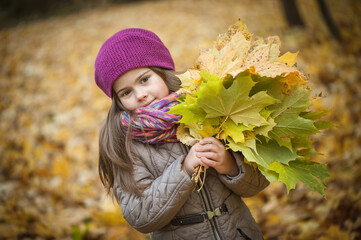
x=207, y=204
x=215, y=222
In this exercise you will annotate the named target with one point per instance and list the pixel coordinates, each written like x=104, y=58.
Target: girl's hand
x=214, y=154
x=192, y=161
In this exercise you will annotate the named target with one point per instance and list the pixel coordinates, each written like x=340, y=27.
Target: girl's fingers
x=206, y=148
x=205, y=165
x=198, y=162
x=209, y=162
x=211, y=140
x=210, y=155
x=209, y=147
x=202, y=164
x=208, y=140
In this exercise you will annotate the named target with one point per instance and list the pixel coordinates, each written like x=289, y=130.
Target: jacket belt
x=198, y=218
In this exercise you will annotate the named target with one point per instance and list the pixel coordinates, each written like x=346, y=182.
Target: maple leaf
x=289, y=123
x=236, y=132
x=266, y=153
x=189, y=109
x=257, y=103
x=289, y=58
x=234, y=102
x=183, y=134
x=308, y=172
x=313, y=115
x=190, y=80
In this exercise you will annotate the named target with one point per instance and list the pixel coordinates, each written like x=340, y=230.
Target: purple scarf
x=152, y=124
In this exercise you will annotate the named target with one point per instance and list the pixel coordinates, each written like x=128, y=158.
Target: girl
x=144, y=166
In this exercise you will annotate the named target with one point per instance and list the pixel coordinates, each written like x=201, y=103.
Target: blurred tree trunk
x=328, y=19
x=292, y=14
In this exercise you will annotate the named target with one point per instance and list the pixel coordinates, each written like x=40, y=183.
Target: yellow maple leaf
x=206, y=130
x=184, y=136
x=252, y=70
x=190, y=80
x=238, y=27
x=289, y=58
x=291, y=80
x=228, y=53
x=235, y=51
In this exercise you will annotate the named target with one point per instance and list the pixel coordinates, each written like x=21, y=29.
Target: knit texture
x=153, y=124
x=126, y=50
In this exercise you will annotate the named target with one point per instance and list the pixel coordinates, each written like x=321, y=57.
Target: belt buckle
x=217, y=212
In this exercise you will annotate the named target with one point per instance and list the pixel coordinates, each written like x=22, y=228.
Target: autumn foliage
x=51, y=112
x=256, y=102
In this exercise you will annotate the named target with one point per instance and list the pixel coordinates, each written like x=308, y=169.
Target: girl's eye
x=144, y=79
x=125, y=93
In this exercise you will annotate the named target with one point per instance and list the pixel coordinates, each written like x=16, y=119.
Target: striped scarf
x=152, y=124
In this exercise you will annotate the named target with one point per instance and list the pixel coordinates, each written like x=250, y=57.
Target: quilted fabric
x=171, y=194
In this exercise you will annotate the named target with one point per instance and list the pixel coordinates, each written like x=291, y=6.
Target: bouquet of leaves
x=256, y=102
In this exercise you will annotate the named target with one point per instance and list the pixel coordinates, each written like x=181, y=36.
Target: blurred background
x=51, y=109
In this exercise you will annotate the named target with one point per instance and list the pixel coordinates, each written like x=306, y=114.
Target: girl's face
x=140, y=87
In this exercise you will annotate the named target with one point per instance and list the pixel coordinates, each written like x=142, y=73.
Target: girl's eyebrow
x=137, y=79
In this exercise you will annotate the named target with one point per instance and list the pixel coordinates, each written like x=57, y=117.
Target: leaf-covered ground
x=51, y=111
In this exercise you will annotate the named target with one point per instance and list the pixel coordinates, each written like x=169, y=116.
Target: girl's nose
x=141, y=95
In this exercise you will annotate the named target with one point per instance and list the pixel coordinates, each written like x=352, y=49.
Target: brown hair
x=115, y=153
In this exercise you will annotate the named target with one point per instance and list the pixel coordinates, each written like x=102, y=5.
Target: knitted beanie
x=126, y=50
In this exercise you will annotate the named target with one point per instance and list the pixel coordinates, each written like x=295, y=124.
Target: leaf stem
x=219, y=128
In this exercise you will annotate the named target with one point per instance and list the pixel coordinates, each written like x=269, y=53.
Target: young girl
x=147, y=169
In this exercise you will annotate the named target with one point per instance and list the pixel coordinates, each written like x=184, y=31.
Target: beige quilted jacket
x=171, y=195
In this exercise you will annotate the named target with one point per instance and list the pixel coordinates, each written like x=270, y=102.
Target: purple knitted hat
x=126, y=50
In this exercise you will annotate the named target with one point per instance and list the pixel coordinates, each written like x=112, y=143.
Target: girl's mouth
x=150, y=103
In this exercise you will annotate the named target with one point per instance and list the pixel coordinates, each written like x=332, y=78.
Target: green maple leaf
x=265, y=154
x=292, y=125
x=271, y=85
x=265, y=129
x=307, y=153
x=235, y=131
x=321, y=124
x=313, y=115
x=289, y=126
x=190, y=111
x=316, y=169
x=270, y=175
x=301, y=141
x=204, y=129
x=271, y=151
x=234, y=102
x=288, y=122
x=310, y=173
x=296, y=102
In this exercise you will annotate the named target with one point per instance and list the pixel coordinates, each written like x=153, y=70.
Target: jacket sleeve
x=248, y=182
x=161, y=200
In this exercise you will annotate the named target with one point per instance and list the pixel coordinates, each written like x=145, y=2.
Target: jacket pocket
x=243, y=234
